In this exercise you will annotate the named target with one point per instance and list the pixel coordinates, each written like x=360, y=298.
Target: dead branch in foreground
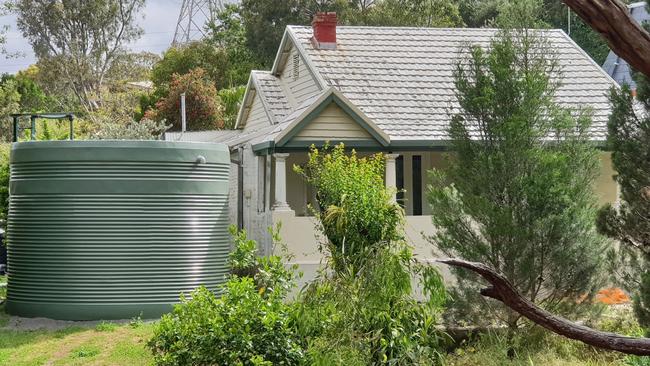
x=503, y=291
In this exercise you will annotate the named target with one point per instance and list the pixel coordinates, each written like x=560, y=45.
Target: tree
x=415, y=13
x=9, y=103
x=229, y=34
x=82, y=38
x=518, y=192
x=612, y=20
x=265, y=21
x=629, y=223
x=145, y=129
x=180, y=60
x=231, y=99
x=203, y=105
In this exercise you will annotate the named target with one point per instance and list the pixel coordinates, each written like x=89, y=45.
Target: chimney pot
x=324, y=27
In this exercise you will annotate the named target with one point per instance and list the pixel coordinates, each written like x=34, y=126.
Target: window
x=296, y=67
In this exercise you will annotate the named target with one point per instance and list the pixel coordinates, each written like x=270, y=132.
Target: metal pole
x=183, y=117
x=71, y=119
x=33, y=129
x=15, y=138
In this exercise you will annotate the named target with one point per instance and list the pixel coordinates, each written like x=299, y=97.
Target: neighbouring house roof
x=614, y=65
x=401, y=79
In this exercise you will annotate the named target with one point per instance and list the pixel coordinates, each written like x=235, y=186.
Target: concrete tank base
x=114, y=229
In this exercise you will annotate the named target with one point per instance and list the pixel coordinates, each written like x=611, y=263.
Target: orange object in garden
x=612, y=296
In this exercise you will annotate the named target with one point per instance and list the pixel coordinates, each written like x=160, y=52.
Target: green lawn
x=106, y=344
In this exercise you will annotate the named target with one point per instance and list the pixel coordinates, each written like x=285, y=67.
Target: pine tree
x=517, y=194
x=629, y=223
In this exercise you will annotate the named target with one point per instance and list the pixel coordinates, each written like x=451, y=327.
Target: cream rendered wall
x=606, y=186
x=303, y=239
x=298, y=89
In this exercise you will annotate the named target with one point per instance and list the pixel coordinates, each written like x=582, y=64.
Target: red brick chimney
x=324, y=26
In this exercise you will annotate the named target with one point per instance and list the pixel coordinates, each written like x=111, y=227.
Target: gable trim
x=254, y=88
x=331, y=96
x=246, y=103
x=289, y=39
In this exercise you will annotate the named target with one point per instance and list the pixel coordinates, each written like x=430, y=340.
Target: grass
x=536, y=346
x=106, y=344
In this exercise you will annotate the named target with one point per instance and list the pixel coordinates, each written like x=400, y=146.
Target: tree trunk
x=503, y=291
x=612, y=19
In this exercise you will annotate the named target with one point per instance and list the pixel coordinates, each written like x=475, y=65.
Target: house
x=614, y=65
x=377, y=89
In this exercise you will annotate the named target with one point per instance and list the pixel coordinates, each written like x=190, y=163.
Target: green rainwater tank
x=114, y=229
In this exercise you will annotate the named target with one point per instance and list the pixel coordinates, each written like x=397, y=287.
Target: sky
x=159, y=24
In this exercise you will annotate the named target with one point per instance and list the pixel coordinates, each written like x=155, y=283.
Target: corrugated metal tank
x=114, y=229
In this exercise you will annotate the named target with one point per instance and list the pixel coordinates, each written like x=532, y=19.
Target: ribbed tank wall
x=113, y=230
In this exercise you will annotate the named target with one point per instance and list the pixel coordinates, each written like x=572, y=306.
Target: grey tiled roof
x=269, y=87
x=615, y=66
x=401, y=78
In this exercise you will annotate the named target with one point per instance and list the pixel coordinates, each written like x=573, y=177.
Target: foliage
x=518, y=192
x=231, y=99
x=145, y=129
x=229, y=34
x=361, y=310
x=369, y=317
x=9, y=103
x=82, y=38
x=132, y=67
x=629, y=223
x=32, y=97
x=530, y=346
x=249, y=324
x=265, y=21
x=356, y=211
x=203, y=105
x=415, y=13
x=182, y=59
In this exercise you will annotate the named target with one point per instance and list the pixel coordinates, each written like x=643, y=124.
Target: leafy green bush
x=370, y=317
x=249, y=324
x=356, y=212
x=361, y=310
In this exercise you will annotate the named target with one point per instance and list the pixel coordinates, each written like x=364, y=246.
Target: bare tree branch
x=612, y=19
x=503, y=291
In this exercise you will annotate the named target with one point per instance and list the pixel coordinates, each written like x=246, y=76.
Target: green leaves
x=518, y=192
x=249, y=324
x=355, y=209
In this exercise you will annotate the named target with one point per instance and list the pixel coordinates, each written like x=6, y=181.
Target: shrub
x=370, y=317
x=203, y=106
x=144, y=129
x=356, y=214
x=360, y=310
x=249, y=324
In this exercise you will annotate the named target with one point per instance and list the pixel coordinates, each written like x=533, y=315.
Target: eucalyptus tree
x=79, y=38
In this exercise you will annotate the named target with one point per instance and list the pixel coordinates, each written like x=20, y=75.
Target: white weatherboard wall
x=301, y=88
x=257, y=116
